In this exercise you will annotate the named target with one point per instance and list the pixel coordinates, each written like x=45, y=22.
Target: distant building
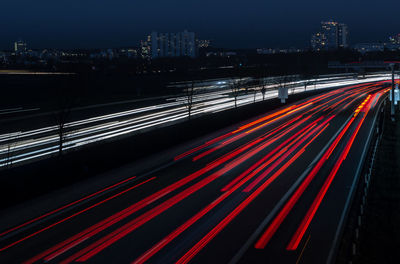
x=203, y=43
x=224, y=54
x=376, y=47
x=173, y=44
x=392, y=46
x=343, y=35
x=394, y=39
x=369, y=47
x=145, y=48
x=20, y=46
x=108, y=54
x=333, y=35
x=318, y=41
x=266, y=51
x=128, y=52
x=3, y=57
x=330, y=32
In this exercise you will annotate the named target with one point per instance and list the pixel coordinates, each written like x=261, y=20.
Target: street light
x=392, y=111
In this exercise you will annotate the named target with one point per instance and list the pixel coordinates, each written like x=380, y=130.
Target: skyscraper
x=19, y=46
x=318, y=41
x=333, y=35
x=145, y=48
x=330, y=31
x=173, y=44
x=343, y=35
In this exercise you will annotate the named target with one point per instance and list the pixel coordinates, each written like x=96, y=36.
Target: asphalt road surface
x=273, y=189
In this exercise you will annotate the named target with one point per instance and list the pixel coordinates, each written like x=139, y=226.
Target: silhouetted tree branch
x=189, y=98
x=235, y=88
x=66, y=101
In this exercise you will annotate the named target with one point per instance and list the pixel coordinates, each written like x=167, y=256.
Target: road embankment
x=373, y=229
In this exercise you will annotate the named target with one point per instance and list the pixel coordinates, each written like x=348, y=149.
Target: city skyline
x=232, y=24
x=316, y=37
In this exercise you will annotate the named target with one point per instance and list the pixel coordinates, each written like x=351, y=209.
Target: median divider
x=34, y=179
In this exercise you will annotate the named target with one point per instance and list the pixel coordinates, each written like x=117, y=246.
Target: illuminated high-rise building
x=145, y=48
x=318, y=41
x=330, y=31
x=20, y=46
x=173, y=44
x=343, y=36
x=333, y=35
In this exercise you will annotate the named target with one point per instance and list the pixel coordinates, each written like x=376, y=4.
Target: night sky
x=232, y=24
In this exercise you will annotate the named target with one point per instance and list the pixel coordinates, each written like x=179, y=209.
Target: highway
x=27, y=145
x=273, y=189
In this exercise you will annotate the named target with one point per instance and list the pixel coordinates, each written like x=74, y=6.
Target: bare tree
x=315, y=82
x=264, y=86
x=189, y=98
x=62, y=114
x=8, y=156
x=9, y=161
x=260, y=87
x=12, y=142
x=306, y=79
x=263, y=90
x=235, y=88
x=293, y=80
x=255, y=94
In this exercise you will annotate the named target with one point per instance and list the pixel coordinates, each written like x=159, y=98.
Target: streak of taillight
x=289, y=152
x=254, y=166
x=66, y=206
x=76, y=214
x=151, y=252
x=218, y=228
x=208, y=143
x=297, y=237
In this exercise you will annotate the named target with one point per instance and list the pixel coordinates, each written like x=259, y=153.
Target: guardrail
x=346, y=245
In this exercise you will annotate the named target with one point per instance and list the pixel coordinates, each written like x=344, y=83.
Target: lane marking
x=282, y=202
x=302, y=251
